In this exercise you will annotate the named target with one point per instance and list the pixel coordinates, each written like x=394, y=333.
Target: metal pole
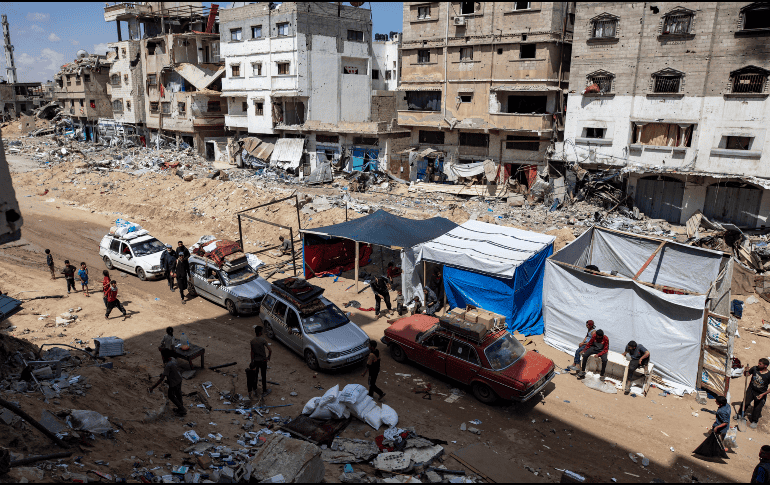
x=240, y=232
x=356, y=265
x=299, y=221
x=293, y=256
x=382, y=268
x=346, y=211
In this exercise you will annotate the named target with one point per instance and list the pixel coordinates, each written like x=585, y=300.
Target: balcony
x=126, y=10
x=421, y=118
x=518, y=121
x=237, y=121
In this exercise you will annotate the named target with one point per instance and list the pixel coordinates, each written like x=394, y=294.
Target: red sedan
x=499, y=366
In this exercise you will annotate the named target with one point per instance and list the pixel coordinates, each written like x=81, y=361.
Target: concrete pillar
x=120, y=37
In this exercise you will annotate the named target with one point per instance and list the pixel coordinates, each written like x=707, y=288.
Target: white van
x=139, y=255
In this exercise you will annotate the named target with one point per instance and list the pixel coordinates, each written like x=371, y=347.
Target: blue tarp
x=360, y=160
x=519, y=299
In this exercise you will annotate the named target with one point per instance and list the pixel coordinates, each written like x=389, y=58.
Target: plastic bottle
x=184, y=339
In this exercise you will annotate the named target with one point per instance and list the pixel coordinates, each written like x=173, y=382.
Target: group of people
x=176, y=265
x=69, y=271
x=433, y=292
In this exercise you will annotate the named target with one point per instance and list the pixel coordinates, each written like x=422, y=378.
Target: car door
x=266, y=308
x=124, y=261
x=198, y=272
x=434, y=352
x=462, y=363
x=278, y=319
x=294, y=337
x=114, y=253
x=216, y=286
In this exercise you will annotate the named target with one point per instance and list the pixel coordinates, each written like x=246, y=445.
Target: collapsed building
x=299, y=80
x=676, y=107
x=21, y=98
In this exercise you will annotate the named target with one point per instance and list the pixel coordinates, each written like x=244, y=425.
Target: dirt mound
x=9, y=347
x=564, y=236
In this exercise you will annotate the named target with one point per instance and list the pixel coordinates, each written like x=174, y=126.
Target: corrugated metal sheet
x=288, y=152
x=660, y=199
x=8, y=306
x=738, y=205
x=264, y=151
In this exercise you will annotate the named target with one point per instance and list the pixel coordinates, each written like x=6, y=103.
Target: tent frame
x=241, y=214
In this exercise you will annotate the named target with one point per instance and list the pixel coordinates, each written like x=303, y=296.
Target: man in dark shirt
x=260, y=355
x=757, y=392
x=431, y=301
x=437, y=285
x=639, y=356
x=762, y=471
x=174, y=379
x=167, y=264
x=381, y=289
x=590, y=331
x=599, y=345
x=182, y=251
x=69, y=275
x=180, y=272
x=285, y=245
x=722, y=422
x=373, y=368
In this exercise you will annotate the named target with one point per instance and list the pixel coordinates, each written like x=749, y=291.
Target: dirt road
x=573, y=428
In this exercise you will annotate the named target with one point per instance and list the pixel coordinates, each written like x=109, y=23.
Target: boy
x=400, y=307
x=49, y=262
x=106, y=286
x=69, y=275
x=112, y=300
x=83, y=273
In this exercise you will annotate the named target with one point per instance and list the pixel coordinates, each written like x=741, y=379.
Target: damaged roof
x=198, y=75
x=288, y=152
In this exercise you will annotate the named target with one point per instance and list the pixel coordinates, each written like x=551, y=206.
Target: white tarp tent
x=663, y=309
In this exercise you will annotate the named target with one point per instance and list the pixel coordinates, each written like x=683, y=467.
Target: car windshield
x=329, y=318
x=504, y=351
x=238, y=276
x=150, y=246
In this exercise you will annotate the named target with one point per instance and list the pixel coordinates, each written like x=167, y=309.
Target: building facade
x=484, y=80
x=386, y=70
x=81, y=90
x=126, y=86
x=18, y=98
x=675, y=95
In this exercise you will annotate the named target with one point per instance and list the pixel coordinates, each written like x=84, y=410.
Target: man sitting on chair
x=640, y=357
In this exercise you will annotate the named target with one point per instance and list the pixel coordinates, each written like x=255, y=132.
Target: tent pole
x=293, y=254
x=382, y=268
x=240, y=233
x=424, y=276
x=356, y=265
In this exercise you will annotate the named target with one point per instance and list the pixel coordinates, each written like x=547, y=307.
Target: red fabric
x=335, y=258
x=531, y=174
x=394, y=271
x=605, y=347
x=594, y=88
x=112, y=294
x=105, y=285
x=224, y=248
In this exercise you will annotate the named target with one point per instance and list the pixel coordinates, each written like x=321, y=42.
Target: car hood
x=410, y=327
x=528, y=369
x=150, y=260
x=341, y=338
x=256, y=288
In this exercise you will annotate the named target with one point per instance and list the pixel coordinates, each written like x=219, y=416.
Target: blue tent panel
x=519, y=299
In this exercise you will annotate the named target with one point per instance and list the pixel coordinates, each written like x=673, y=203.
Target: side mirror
x=215, y=283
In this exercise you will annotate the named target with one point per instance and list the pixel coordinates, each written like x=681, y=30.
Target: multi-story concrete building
x=18, y=98
x=387, y=62
x=81, y=89
x=168, y=72
x=484, y=80
x=304, y=70
x=675, y=95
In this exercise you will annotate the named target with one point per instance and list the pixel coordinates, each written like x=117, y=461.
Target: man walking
x=112, y=300
x=590, y=331
x=69, y=275
x=260, y=356
x=756, y=394
x=373, y=368
x=49, y=262
x=168, y=264
x=174, y=379
x=599, y=345
x=181, y=250
x=381, y=288
x=180, y=271
x=167, y=345
x=640, y=357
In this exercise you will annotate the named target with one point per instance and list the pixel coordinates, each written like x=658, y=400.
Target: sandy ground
x=542, y=435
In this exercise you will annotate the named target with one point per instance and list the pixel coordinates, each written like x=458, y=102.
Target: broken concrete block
x=26, y=474
x=188, y=177
x=394, y=462
x=424, y=456
x=433, y=477
x=355, y=477
x=298, y=461
x=474, y=430
x=345, y=450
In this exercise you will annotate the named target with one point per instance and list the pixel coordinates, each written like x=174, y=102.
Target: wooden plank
x=704, y=336
x=649, y=260
x=693, y=223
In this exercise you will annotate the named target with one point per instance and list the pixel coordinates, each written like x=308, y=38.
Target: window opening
x=213, y=107
x=749, y=83
x=466, y=98
x=283, y=68
x=431, y=137
x=466, y=53
x=667, y=84
x=663, y=134
x=154, y=105
x=602, y=81
x=423, y=56
x=520, y=5
x=235, y=34
x=236, y=70
x=165, y=107
x=527, y=51
x=517, y=142
x=256, y=69
x=677, y=24
x=423, y=12
x=757, y=17
x=594, y=132
x=467, y=8
x=474, y=140
x=423, y=100
x=738, y=142
x=356, y=35
x=181, y=107
x=527, y=104
x=604, y=29
x=256, y=31
x=375, y=74
x=283, y=28
x=259, y=108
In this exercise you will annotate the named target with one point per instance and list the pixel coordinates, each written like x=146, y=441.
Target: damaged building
x=81, y=90
x=21, y=98
x=172, y=68
x=674, y=97
x=484, y=81
x=301, y=80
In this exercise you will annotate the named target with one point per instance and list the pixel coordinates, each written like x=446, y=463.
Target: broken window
x=327, y=139
x=388, y=75
x=117, y=106
x=738, y=142
x=677, y=23
x=349, y=69
x=283, y=68
x=256, y=31
x=375, y=73
x=128, y=105
x=423, y=100
x=235, y=69
x=521, y=5
x=256, y=68
x=154, y=105
x=362, y=140
x=480, y=140
x=594, y=133
x=466, y=53
x=213, y=107
x=663, y=134
x=465, y=97
x=72, y=103
x=283, y=28
x=87, y=78
x=244, y=107
x=431, y=137
x=467, y=8
x=749, y=80
x=516, y=142
x=605, y=28
x=527, y=51
x=125, y=78
x=423, y=12
x=81, y=103
x=666, y=83
x=356, y=35
x=757, y=16
x=423, y=56
x=527, y=104
x=235, y=34
x=152, y=79
x=69, y=81
x=602, y=81
x=92, y=103
x=77, y=80
x=115, y=79
x=123, y=51
x=259, y=108
x=165, y=107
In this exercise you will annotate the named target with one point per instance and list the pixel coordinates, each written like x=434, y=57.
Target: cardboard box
x=456, y=313
x=204, y=462
x=490, y=319
x=472, y=316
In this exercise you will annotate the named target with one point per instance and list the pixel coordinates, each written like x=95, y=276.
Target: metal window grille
x=423, y=12
x=466, y=53
x=116, y=80
x=749, y=83
x=667, y=84
x=423, y=56
x=604, y=83
x=677, y=24
x=605, y=28
x=165, y=108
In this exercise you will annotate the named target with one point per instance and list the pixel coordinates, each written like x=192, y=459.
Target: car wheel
x=484, y=393
x=231, y=307
x=108, y=263
x=311, y=360
x=140, y=273
x=269, y=331
x=397, y=353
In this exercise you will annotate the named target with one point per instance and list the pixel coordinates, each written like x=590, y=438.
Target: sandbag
x=311, y=405
x=389, y=416
x=352, y=393
x=595, y=383
x=322, y=412
x=373, y=417
x=711, y=447
x=360, y=408
x=90, y=421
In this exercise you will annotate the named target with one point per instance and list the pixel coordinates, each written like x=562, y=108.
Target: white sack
x=352, y=393
x=389, y=416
